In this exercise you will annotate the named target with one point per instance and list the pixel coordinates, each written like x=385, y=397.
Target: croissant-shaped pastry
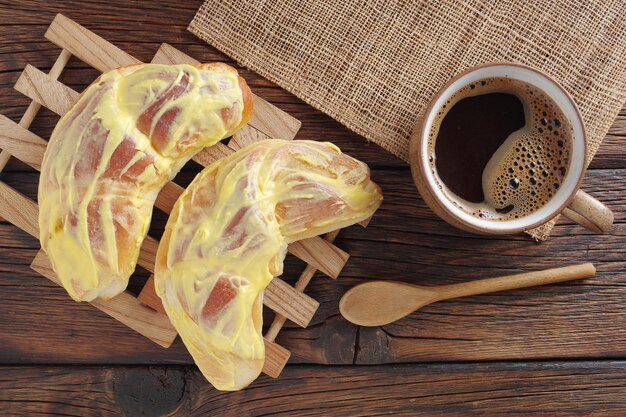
x=127, y=135
x=227, y=236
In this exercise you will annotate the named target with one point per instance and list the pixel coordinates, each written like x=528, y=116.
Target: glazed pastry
x=126, y=136
x=227, y=236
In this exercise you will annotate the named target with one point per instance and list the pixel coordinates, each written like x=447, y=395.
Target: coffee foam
x=529, y=167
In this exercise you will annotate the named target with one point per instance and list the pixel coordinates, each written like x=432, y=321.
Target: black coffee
x=500, y=148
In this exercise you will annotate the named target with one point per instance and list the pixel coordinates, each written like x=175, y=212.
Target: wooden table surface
x=559, y=350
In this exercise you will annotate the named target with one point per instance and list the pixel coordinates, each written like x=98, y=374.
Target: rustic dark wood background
x=558, y=350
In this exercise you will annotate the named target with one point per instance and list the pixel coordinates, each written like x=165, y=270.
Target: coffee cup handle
x=589, y=213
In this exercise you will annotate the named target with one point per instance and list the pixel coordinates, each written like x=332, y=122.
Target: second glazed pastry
x=227, y=236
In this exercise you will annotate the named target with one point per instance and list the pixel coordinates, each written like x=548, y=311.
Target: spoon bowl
x=376, y=303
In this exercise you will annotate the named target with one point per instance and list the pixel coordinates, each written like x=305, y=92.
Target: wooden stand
x=145, y=314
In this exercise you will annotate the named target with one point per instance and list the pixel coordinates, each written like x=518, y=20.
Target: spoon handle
x=511, y=282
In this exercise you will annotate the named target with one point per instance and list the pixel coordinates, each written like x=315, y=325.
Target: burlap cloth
x=374, y=64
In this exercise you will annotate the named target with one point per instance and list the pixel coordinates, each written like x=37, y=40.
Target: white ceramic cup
x=569, y=200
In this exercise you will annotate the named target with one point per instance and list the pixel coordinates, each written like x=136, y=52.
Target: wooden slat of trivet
x=19, y=210
x=28, y=147
x=45, y=90
x=86, y=45
x=59, y=98
x=21, y=143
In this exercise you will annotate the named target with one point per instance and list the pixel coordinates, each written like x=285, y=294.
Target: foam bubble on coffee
x=528, y=168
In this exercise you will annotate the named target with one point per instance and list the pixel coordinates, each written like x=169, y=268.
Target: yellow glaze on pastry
x=227, y=237
x=127, y=135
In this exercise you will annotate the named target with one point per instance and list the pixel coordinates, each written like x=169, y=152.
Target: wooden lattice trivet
x=144, y=313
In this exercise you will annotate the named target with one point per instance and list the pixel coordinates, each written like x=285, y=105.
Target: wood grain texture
x=19, y=210
x=289, y=302
x=321, y=254
x=552, y=389
x=21, y=143
x=86, y=45
x=45, y=90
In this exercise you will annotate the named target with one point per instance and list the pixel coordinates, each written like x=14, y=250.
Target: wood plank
x=125, y=308
x=45, y=90
x=19, y=210
x=322, y=254
x=245, y=136
x=291, y=303
x=147, y=253
x=497, y=389
x=86, y=45
x=168, y=195
x=271, y=121
x=167, y=54
x=149, y=296
x=212, y=154
x=276, y=356
x=21, y=143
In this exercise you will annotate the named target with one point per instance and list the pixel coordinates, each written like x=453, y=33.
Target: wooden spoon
x=376, y=303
